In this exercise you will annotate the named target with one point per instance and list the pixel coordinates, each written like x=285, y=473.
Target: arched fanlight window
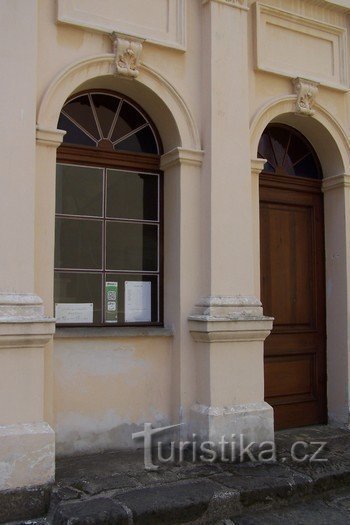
x=288, y=153
x=107, y=121
x=108, y=239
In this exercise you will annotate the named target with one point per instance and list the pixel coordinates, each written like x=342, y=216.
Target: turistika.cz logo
x=235, y=450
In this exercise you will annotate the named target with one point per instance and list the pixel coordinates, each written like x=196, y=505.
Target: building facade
x=175, y=222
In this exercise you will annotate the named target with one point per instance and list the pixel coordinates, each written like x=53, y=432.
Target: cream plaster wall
x=105, y=389
x=197, y=100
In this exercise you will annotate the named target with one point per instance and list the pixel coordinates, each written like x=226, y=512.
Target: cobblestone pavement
x=330, y=508
x=114, y=488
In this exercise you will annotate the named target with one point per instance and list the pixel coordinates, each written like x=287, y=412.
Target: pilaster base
x=253, y=421
x=27, y=453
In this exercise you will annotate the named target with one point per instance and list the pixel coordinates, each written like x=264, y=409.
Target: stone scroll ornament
x=306, y=91
x=127, y=55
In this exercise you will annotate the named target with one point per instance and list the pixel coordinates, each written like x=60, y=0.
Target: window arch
x=109, y=216
x=288, y=152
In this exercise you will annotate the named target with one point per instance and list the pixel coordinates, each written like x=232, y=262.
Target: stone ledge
x=112, y=332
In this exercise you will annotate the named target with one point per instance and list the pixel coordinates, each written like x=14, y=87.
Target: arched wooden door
x=293, y=278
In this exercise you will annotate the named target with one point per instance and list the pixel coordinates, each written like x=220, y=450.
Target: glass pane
x=297, y=149
x=131, y=246
x=74, y=135
x=128, y=120
x=141, y=142
x=79, y=288
x=106, y=108
x=307, y=168
x=279, y=139
x=78, y=244
x=265, y=149
x=79, y=190
x=80, y=110
x=120, y=279
x=132, y=195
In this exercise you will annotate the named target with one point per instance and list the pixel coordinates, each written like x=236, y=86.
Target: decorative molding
x=96, y=66
x=49, y=137
x=178, y=156
x=226, y=319
x=306, y=91
x=127, y=53
x=302, y=37
x=280, y=105
x=240, y=4
x=162, y=22
x=335, y=182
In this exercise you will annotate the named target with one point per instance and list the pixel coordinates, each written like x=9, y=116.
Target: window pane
x=120, y=279
x=80, y=110
x=128, y=120
x=141, y=142
x=131, y=246
x=78, y=244
x=106, y=108
x=132, y=195
x=79, y=190
x=80, y=288
x=74, y=134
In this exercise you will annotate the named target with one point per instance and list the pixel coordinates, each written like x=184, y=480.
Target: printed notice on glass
x=137, y=301
x=74, y=313
x=111, y=302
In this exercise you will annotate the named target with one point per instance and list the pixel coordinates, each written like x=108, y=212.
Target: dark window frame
x=148, y=163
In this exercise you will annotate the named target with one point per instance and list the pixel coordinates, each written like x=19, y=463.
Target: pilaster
x=228, y=325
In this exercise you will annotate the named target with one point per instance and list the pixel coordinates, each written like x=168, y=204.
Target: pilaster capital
x=337, y=181
x=240, y=4
x=49, y=137
x=257, y=165
x=178, y=156
x=229, y=318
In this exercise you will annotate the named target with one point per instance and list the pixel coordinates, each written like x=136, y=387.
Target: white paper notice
x=74, y=313
x=137, y=301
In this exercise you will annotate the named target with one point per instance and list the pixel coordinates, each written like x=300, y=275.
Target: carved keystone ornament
x=127, y=55
x=306, y=91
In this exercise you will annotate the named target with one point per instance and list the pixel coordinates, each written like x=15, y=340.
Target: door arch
x=293, y=277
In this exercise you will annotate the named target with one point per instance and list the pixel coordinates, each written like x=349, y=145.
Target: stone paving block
x=95, y=511
x=25, y=503
x=174, y=503
x=96, y=485
x=310, y=513
x=264, y=482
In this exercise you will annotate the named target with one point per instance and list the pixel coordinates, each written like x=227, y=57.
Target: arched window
x=288, y=152
x=108, y=237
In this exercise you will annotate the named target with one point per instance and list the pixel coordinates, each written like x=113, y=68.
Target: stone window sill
x=108, y=332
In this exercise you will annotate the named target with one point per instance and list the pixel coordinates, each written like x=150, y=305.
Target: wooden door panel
x=290, y=378
x=292, y=291
x=287, y=241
